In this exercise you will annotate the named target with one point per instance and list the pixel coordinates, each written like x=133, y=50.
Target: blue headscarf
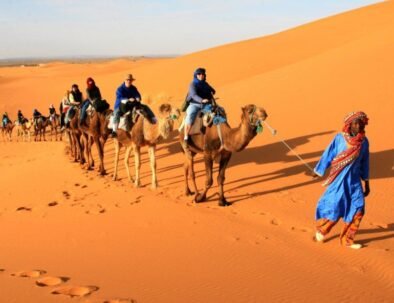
x=199, y=70
x=203, y=89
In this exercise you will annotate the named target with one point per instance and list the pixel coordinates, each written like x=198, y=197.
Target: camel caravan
x=131, y=124
x=36, y=126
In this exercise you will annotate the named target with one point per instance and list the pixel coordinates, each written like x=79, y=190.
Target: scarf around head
x=90, y=83
x=348, y=156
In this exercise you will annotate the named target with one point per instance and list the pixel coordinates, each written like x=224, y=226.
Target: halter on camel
x=254, y=124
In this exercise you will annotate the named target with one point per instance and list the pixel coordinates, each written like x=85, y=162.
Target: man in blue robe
x=348, y=157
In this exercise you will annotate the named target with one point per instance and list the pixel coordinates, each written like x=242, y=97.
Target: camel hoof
x=200, y=198
x=188, y=192
x=223, y=202
x=114, y=178
x=103, y=172
x=154, y=186
x=137, y=184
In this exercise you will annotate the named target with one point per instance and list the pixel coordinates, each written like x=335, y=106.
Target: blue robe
x=344, y=197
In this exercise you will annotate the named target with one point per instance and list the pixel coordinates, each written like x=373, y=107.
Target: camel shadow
x=389, y=230
x=275, y=152
x=382, y=164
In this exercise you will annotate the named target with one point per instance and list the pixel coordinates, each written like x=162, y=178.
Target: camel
x=54, y=123
x=212, y=147
x=7, y=130
x=95, y=130
x=23, y=129
x=144, y=133
x=40, y=125
x=74, y=137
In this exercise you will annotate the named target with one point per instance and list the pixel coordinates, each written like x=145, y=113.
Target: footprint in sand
x=29, y=274
x=75, y=291
x=137, y=200
x=275, y=222
x=2, y=270
x=66, y=194
x=51, y=281
x=96, y=211
x=24, y=208
x=381, y=225
x=296, y=200
x=301, y=229
x=54, y=203
x=120, y=301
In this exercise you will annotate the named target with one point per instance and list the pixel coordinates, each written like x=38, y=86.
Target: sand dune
x=67, y=232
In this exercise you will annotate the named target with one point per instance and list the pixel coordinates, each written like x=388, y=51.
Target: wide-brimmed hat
x=129, y=77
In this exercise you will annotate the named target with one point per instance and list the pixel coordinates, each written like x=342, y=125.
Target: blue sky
x=53, y=28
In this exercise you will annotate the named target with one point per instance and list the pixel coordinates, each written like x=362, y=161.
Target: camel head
x=254, y=115
x=167, y=115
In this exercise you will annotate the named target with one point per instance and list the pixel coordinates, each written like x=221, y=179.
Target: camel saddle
x=126, y=121
x=206, y=118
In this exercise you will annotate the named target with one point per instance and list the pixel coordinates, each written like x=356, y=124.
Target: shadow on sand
x=378, y=233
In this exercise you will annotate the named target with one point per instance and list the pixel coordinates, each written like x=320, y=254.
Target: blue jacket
x=124, y=92
x=199, y=90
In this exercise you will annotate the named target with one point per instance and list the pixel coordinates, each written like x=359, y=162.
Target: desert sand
x=70, y=235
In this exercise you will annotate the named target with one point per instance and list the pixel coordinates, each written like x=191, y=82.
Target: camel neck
x=236, y=139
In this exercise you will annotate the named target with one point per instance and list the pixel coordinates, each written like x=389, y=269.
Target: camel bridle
x=254, y=123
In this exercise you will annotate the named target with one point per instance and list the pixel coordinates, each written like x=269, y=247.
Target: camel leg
x=209, y=181
x=137, y=161
x=100, y=150
x=80, y=149
x=90, y=142
x=70, y=142
x=188, y=192
x=55, y=129
x=117, y=147
x=152, y=159
x=190, y=167
x=224, y=159
x=85, y=139
x=126, y=161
